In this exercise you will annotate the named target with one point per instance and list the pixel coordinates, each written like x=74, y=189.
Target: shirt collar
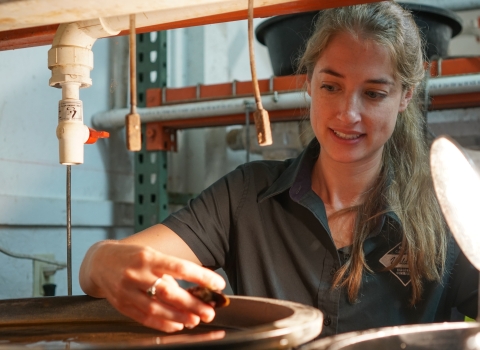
x=297, y=177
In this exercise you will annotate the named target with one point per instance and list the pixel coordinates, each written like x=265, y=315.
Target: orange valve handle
x=95, y=135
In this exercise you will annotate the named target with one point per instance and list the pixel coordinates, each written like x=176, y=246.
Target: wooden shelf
x=37, y=29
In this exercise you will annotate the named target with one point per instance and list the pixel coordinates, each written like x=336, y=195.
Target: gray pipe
x=290, y=100
x=454, y=5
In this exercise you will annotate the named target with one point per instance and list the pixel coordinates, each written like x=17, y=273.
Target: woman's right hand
x=122, y=273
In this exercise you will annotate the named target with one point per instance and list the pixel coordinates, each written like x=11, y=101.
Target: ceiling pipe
x=280, y=101
x=454, y=5
x=457, y=84
x=277, y=101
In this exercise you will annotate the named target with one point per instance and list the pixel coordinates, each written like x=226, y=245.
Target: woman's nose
x=350, y=108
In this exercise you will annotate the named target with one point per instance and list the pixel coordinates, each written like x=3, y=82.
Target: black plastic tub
x=285, y=36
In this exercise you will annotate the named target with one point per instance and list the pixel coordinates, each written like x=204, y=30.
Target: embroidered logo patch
x=401, y=271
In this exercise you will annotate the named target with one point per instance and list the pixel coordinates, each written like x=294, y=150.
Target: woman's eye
x=327, y=87
x=375, y=95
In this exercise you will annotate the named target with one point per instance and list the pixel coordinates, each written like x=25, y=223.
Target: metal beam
x=150, y=178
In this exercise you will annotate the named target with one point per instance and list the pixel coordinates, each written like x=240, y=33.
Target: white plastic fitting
x=71, y=132
x=71, y=59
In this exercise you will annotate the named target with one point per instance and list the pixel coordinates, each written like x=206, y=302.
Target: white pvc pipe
x=457, y=84
x=71, y=132
x=70, y=91
x=71, y=60
x=116, y=118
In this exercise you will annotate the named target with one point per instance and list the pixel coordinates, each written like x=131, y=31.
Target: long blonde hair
x=404, y=185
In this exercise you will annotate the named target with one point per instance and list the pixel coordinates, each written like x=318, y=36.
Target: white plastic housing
x=71, y=137
x=71, y=58
x=71, y=132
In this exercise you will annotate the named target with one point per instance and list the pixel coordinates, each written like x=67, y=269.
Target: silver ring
x=152, y=291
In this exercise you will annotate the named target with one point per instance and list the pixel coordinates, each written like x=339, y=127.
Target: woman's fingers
x=170, y=302
x=151, y=311
x=143, y=259
x=168, y=291
x=156, y=320
x=135, y=271
x=186, y=270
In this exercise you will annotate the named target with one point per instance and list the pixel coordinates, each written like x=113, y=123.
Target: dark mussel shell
x=210, y=297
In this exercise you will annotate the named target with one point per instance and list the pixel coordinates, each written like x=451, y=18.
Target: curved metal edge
x=340, y=341
x=285, y=324
x=301, y=326
x=57, y=309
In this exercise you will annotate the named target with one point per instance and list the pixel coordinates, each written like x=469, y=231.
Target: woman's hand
x=122, y=273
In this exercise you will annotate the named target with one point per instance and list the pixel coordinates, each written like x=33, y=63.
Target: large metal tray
x=82, y=322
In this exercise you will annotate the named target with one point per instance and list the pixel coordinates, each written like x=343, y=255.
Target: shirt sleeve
x=206, y=223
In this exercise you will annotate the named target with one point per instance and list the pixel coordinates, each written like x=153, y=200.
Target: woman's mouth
x=346, y=136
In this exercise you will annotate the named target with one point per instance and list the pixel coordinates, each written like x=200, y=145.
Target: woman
x=351, y=226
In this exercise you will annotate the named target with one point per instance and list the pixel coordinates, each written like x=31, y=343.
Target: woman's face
x=355, y=99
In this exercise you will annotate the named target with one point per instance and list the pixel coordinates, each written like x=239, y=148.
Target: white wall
x=33, y=183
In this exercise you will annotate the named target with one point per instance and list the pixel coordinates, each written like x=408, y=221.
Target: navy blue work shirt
x=266, y=227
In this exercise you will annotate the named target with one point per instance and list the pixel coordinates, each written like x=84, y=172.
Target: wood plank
x=43, y=34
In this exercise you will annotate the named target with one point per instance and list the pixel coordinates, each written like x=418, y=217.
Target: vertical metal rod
x=247, y=131
x=69, y=229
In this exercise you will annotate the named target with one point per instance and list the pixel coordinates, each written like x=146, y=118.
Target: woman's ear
x=407, y=95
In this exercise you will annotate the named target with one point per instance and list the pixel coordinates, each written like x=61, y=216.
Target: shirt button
x=332, y=272
x=327, y=321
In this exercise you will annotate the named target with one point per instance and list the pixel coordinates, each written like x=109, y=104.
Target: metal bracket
x=160, y=138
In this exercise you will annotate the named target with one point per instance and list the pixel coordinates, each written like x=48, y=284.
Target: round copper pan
x=438, y=336
x=82, y=322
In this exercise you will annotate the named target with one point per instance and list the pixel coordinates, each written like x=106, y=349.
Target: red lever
x=95, y=135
